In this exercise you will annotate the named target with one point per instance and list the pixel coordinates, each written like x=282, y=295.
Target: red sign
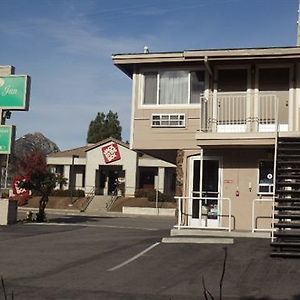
x=111, y=153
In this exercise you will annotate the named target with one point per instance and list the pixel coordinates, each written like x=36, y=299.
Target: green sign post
x=14, y=92
x=7, y=138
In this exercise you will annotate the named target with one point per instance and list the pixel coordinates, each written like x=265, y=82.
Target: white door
x=204, y=207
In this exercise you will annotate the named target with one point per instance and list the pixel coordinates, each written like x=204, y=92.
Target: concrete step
x=197, y=240
x=217, y=233
x=98, y=203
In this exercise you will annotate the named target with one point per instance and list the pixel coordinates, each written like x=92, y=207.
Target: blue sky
x=66, y=47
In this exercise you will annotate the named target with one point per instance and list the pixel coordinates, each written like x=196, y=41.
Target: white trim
x=134, y=84
x=291, y=100
x=182, y=105
x=190, y=165
x=179, y=115
x=297, y=96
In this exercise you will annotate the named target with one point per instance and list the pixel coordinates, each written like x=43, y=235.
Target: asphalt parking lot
x=82, y=257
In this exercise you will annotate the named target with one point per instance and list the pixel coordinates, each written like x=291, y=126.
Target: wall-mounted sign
x=7, y=137
x=14, y=92
x=111, y=153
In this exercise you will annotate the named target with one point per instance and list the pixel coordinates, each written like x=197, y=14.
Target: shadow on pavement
x=76, y=219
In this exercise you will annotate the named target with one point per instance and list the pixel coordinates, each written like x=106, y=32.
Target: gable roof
x=106, y=141
x=80, y=151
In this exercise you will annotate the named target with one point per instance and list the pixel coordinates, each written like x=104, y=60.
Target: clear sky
x=66, y=47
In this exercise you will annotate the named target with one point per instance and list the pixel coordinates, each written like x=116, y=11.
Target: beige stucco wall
x=128, y=161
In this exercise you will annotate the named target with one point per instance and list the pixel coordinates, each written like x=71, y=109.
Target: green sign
x=7, y=137
x=14, y=92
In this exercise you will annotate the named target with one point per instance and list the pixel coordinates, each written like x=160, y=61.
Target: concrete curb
x=168, y=212
x=197, y=240
x=69, y=212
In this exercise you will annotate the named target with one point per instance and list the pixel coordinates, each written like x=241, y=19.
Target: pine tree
x=104, y=126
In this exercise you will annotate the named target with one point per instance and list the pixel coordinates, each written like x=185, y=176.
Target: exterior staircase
x=98, y=204
x=286, y=242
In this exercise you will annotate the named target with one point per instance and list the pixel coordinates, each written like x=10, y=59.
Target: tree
x=104, y=126
x=38, y=177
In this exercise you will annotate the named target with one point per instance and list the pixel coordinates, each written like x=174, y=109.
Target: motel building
x=95, y=169
x=229, y=119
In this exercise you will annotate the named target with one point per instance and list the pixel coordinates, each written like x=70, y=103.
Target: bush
x=67, y=193
x=150, y=194
x=62, y=193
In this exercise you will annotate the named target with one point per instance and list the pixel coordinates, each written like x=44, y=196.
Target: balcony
x=241, y=117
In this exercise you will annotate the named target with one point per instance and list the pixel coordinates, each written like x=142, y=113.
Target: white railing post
x=254, y=227
x=253, y=216
x=179, y=212
x=229, y=221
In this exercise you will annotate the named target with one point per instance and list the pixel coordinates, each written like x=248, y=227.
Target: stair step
x=283, y=148
x=289, y=142
x=287, y=216
x=285, y=169
x=288, y=162
x=288, y=183
x=285, y=244
x=287, y=234
x=285, y=254
x=289, y=176
x=287, y=225
x=287, y=207
x=284, y=200
x=281, y=155
x=280, y=191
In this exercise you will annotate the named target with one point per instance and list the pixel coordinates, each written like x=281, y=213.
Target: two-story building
x=218, y=115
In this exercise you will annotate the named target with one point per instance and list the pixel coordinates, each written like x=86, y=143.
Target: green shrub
x=150, y=194
x=62, y=193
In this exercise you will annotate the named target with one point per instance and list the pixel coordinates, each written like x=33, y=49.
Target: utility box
x=8, y=211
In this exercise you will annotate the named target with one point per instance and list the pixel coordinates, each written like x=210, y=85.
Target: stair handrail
x=277, y=129
x=90, y=197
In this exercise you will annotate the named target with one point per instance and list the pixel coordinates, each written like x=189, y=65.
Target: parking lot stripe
x=133, y=258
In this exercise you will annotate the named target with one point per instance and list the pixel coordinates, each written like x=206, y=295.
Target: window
x=168, y=120
x=266, y=178
x=173, y=87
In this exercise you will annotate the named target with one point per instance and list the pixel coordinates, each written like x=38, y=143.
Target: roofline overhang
x=126, y=62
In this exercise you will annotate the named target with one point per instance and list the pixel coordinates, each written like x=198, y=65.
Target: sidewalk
x=76, y=212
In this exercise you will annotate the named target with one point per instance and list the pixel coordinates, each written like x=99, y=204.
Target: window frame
x=157, y=104
x=169, y=125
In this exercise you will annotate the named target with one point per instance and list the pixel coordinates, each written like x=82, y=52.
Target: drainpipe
x=298, y=26
x=207, y=66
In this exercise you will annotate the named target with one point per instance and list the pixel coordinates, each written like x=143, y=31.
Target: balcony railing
x=239, y=112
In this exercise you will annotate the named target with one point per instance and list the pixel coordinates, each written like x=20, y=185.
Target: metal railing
x=236, y=111
x=256, y=216
x=90, y=196
x=232, y=112
x=184, y=216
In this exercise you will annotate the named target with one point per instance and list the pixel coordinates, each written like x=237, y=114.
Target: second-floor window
x=173, y=87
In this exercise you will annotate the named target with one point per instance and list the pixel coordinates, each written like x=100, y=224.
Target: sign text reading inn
x=14, y=92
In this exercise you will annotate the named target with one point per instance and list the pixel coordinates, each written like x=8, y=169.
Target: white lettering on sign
x=8, y=90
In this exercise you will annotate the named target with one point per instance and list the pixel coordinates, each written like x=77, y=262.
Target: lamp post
x=71, y=185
